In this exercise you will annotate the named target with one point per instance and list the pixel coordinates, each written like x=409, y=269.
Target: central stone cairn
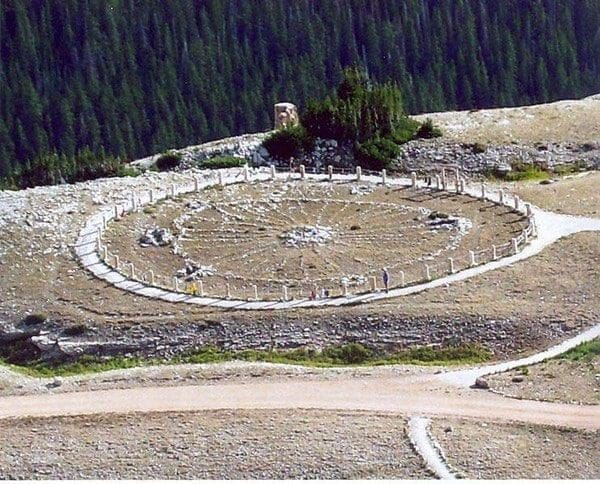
x=307, y=235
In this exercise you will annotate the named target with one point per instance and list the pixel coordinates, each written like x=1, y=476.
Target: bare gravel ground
x=479, y=450
x=554, y=380
x=563, y=121
x=210, y=445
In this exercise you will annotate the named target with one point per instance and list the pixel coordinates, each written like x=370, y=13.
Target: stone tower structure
x=286, y=114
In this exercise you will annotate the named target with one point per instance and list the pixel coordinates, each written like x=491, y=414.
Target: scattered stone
x=306, y=235
x=195, y=272
x=441, y=220
x=54, y=383
x=481, y=384
x=157, y=237
x=361, y=189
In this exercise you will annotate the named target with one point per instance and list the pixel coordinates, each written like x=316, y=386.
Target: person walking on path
x=386, y=279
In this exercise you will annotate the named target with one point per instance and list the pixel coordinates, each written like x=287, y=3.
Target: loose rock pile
x=157, y=237
x=423, y=154
x=380, y=332
x=307, y=235
x=195, y=272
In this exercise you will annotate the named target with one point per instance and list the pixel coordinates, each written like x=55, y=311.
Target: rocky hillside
x=570, y=122
x=563, y=132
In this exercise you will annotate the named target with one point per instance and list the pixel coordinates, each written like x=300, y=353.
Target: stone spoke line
x=545, y=229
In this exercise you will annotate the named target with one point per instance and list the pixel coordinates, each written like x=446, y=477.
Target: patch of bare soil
x=223, y=444
x=562, y=121
x=576, y=195
x=479, y=450
x=554, y=380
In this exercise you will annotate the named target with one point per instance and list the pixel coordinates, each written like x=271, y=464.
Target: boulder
x=157, y=237
x=481, y=384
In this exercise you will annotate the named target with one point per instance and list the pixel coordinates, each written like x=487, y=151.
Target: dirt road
x=411, y=395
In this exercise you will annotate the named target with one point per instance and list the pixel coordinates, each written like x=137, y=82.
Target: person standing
x=386, y=279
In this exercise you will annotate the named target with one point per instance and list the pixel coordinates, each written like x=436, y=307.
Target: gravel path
x=468, y=377
x=418, y=431
x=401, y=395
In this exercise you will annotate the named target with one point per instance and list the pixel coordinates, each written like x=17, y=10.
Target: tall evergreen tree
x=140, y=77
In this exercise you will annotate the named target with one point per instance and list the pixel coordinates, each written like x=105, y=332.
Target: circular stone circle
x=143, y=285
x=308, y=237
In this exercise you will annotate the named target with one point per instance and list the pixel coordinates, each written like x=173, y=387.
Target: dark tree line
x=135, y=77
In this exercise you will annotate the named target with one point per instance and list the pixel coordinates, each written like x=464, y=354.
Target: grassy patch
x=519, y=172
x=571, y=168
x=584, y=352
x=85, y=364
x=352, y=354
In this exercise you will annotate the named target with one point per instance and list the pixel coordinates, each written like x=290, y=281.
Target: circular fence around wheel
x=96, y=256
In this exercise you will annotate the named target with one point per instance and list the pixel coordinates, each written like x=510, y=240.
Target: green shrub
x=525, y=171
x=168, y=161
x=350, y=354
x=361, y=110
x=289, y=142
x=570, y=168
x=583, y=352
x=519, y=172
x=223, y=162
x=376, y=153
x=126, y=170
x=52, y=169
x=427, y=130
x=469, y=353
x=405, y=130
x=322, y=120
x=33, y=319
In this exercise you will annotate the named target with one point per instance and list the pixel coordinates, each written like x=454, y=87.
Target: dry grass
x=572, y=195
